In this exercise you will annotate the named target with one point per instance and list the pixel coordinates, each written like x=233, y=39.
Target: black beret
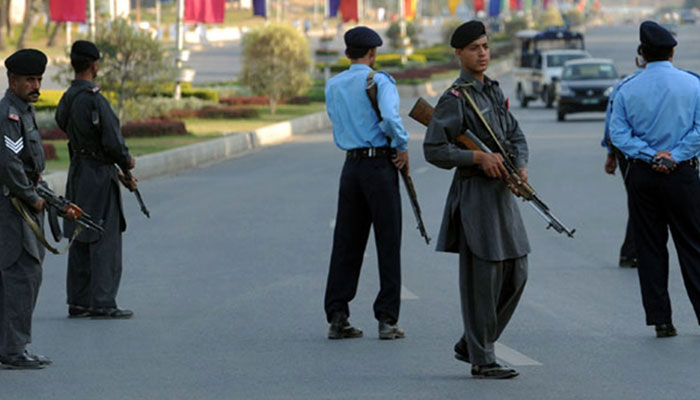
x=467, y=33
x=653, y=34
x=86, y=49
x=26, y=62
x=362, y=37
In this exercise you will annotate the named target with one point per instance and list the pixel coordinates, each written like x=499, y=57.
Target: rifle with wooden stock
x=422, y=112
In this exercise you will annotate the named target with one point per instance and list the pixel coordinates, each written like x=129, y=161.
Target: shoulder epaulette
x=93, y=90
x=13, y=115
x=391, y=78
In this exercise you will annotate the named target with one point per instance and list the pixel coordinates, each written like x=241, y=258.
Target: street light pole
x=180, y=46
x=92, y=20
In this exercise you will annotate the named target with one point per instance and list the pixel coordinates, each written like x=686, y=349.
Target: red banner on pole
x=67, y=10
x=205, y=11
x=349, y=10
x=479, y=5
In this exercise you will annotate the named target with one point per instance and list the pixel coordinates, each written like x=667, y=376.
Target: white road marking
x=407, y=294
x=513, y=357
x=332, y=224
x=421, y=170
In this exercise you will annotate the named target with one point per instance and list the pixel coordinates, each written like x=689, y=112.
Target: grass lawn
x=211, y=127
x=137, y=147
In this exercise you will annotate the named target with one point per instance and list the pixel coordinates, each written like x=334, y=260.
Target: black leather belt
x=466, y=173
x=693, y=162
x=371, y=152
x=93, y=155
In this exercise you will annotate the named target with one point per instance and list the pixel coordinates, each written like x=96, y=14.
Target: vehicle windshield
x=558, y=60
x=589, y=72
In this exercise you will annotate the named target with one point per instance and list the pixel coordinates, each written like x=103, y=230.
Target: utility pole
x=92, y=22
x=180, y=46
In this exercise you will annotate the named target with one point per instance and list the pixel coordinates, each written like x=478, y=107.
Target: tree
x=29, y=12
x=551, y=17
x=132, y=63
x=276, y=62
x=3, y=23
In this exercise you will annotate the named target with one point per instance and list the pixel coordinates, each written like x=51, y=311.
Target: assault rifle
x=423, y=112
x=408, y=182
x=142, y=204
x=66, y=209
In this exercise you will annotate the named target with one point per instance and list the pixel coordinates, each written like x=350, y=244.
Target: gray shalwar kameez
x=482, y=219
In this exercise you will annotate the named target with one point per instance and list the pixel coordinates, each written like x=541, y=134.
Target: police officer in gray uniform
x=21, y=165
x=96, y=145
x=482, y=219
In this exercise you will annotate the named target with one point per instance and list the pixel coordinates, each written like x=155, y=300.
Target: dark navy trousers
x=368, y=197
x=658, y=202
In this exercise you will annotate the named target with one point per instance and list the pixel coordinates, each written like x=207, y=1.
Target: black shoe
x=20, y=361
x=110, y=313
x=628, y=262
x=665, y=330
x=493, y=371
x=75, y=311
x=341, y=329
x=461, y=350
x=43, y=360
x=389, y=330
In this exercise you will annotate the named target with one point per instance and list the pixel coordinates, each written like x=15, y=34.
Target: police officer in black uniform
x=95, y=145
x=21, y=165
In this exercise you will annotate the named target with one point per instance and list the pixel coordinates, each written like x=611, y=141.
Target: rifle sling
x=472, y=103
x=38, y=232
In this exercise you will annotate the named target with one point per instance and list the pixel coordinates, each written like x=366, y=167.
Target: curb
x=205, y=153
x=238, y=143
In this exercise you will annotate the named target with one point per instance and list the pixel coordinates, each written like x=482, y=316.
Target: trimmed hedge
x=215, y=113
x=245, y=101
x=387, y=60
x=48, y=100
x=154, y=128
x=53, y=134
x=49, y=151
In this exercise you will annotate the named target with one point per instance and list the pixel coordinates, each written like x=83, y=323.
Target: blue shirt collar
x=659, y=64
x=359, y=67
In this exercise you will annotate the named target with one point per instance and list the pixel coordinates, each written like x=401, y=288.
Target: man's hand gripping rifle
x=423, y=112
x=68, y=210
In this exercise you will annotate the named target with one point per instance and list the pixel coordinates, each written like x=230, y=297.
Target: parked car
x=539, y=58
x=585, y=85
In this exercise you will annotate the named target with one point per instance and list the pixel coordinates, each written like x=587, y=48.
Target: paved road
x=227, y=282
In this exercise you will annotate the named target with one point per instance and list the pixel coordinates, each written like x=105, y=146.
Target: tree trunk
x=3, y=23
x=27, y=26
x=57, y=27
x=273, y=105
x=8, y=22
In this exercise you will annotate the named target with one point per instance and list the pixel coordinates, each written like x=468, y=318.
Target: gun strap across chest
x=371, y=90
x=472, y=103
x=38, y=232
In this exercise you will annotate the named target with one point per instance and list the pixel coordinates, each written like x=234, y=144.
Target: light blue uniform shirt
x=658, y=110
x=608, y=109
x=355, y=123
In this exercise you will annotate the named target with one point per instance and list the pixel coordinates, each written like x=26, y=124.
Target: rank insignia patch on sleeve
x=454, y=92
x=13, y=116
x=15, y=147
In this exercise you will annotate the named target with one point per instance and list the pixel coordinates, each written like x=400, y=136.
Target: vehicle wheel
x=521, y=97
x=549, y=96
x=561, y=115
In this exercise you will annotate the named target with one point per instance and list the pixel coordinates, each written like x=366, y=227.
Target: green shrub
x=448, y=28
x=204, y=94
x=276, y=62
x=45, y=119
x=155, y=107
x=412, y=31
x=514, y=25
x=437, y=54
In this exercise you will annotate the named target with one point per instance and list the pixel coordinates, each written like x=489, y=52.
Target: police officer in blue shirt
x=656, y=124
x=615, y=158
x=369, y=187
